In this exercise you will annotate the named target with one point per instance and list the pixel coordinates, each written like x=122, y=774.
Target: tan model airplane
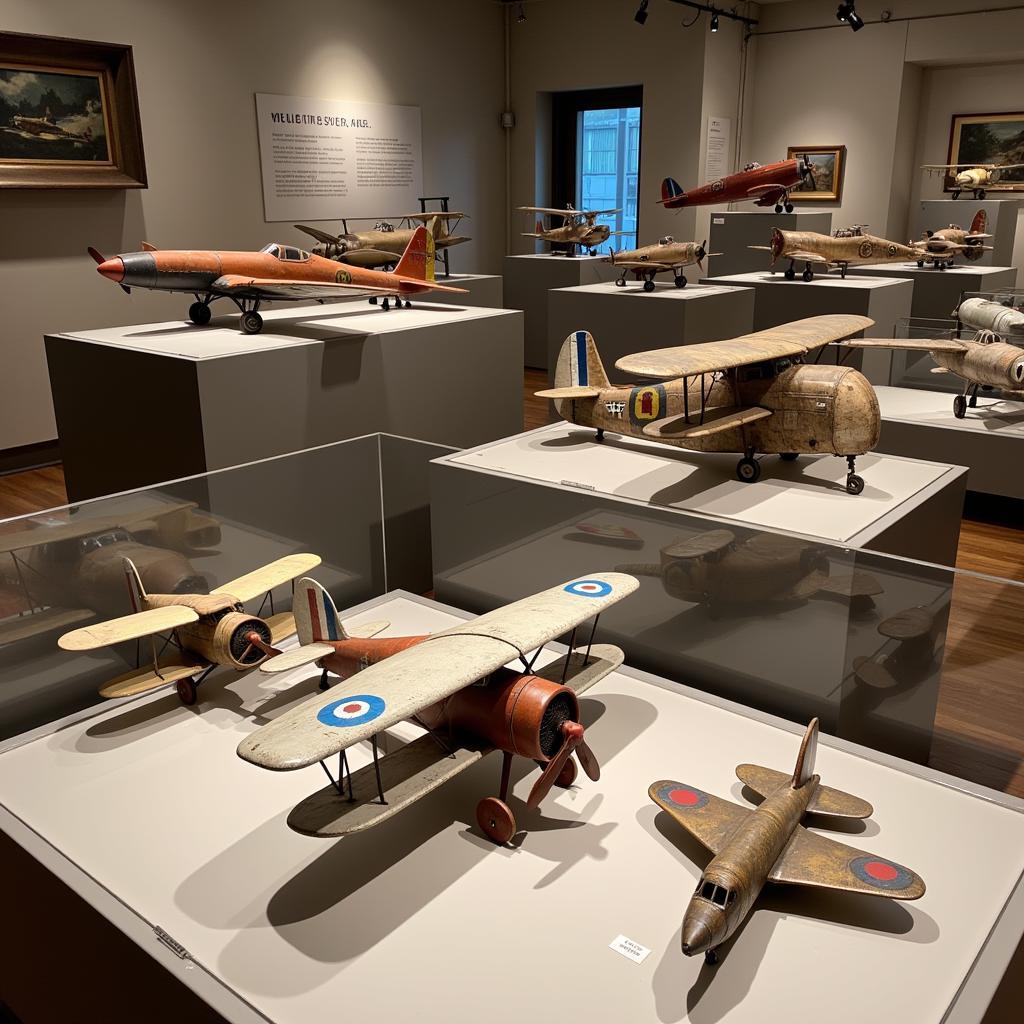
x=968, y=177
x=453, y=684
x=843, y=249
x=650, y=260
x=205, y=630
x=752, y=394
x=944, y=245
x=756, y=845
x=579, y=228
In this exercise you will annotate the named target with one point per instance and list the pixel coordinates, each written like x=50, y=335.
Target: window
x=716, y=894
x=607, y=168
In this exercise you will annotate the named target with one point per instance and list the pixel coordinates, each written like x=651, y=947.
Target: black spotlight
x=847, y=12
x=714, y=21
x=641, y=12
x=521, y=16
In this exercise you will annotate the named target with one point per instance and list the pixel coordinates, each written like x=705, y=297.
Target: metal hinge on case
x=576, y=483
x=172, y=944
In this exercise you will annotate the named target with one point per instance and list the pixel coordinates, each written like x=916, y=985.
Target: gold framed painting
x=69, y=114
x=988, y=139
x=829, y=163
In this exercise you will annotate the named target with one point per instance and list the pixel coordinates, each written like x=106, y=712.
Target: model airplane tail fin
x=316, y=617
x=579, y=364
x=418, y=259
x=136, y=591
x=539, y=226
x=805, y=759
x=671, y=189
x=980, y=223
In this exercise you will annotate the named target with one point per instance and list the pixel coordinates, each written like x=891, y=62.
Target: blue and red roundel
x=684, y=797
x=589, y=588
x=349, y=711
x=881, y=874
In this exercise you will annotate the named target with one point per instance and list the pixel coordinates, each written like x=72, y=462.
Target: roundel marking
x=891, y=250
x=589, y=588
x=686, y=797
x=865, y=250
x=350, y=711
x=717, y=186
x=881, y=874
x=343, y=277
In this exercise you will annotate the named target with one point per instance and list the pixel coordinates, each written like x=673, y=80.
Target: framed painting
x=988, y=139
x=69, y=114
x=829, y=164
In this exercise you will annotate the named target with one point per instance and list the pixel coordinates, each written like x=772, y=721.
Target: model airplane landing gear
x=188, y=688
x=199, y=313
x=385, y=304
x=956, y=193
x=681, y=281
x=600, y=435
x=620, y=282
x=408, y=304
x=372, y=300
x=324, y=684
x=808, y=274
x=711, y=957
x=788, y=456
x=493, y=815
x=252, y=322
x=790, y=273
x=979, y=194
x=648, y=284
x=748, y=469
x=854, y=483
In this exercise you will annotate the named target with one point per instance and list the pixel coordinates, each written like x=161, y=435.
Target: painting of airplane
x=276, y=272
x=763, y=184
x=666, y=255
x=579, y=228
x=753, y=846
x=455, y=685
x=944, y=245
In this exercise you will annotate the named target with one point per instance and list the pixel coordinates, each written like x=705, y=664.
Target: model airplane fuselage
x=843, y=249
x=763, y=184
x=578, y=230
x=973, y=178
x=648, y=261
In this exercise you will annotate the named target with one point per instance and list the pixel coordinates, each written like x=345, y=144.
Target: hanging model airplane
x=453, y=684
x=763, y=184
x=968, y=177
x=762, y=398
x=754, y=846
x=205, y=630
x=944, y=245
x=275, y=272
x=650, y=260
x=579, y=228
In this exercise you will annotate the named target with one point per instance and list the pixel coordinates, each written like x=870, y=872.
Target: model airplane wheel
x=788, y=456
x=956, y=193
x=199, y=313
x=620, y=282
x=373, y=300
x=808, y=274
x=920, y=263
x=496, y=819
x=854, y=483
x=789, y=207
x=980, y=194
x=252, y=322
x=567, y=776
x=778, y=207
x=959, y=407
x=748, y=470
x=681, y=281
x=648, y=285
x=790, y=274
x=187, y=692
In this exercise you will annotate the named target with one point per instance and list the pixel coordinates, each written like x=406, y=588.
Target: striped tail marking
x=580, y=374
x=321, y=614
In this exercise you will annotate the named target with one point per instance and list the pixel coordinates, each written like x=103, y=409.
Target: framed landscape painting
x=988, y=139
x=829, y=164
x=69, y=114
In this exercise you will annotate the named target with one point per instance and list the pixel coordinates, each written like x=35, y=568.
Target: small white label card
x=629, y=949
x=717, y=220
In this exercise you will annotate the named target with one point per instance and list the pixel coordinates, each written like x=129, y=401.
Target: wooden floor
x=979, y=728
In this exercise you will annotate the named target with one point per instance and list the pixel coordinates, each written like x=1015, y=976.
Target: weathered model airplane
x=987, y=315
x=970, y=177
x=45, y=127
x=454, y=684
x=205, y=629
x=761, y=398
x=753, y=846
x=275, y=272
x=764, y=184
x=944, y=245
x=650, y=260
x=579, y=228
x=842, y=249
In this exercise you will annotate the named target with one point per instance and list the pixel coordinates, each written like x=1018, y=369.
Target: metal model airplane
x=842, y=249
x=752, y=394
x=275, y=272
x=650, y=260
x=763, y=184
x=767, y=843
x=205, y=630
x=453, y=684
x=579, y=228
x=944, y=245
x=384, y=244
x=968, y=177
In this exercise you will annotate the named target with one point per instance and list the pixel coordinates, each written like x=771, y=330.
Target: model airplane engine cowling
x=998, y=364
x=225, y=640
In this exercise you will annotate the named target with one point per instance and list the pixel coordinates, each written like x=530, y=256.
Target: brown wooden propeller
x=572, y=739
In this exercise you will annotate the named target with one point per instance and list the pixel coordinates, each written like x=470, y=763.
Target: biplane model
x=756, y=845
x=944, y=245
x=579, y=228
x=968, y=177
x=383, y=245
x=844, y=248
x=204, y=630
x=275, y=272
x=763, y=184
x=753, y=394
x=666, y=255
x=455, y=685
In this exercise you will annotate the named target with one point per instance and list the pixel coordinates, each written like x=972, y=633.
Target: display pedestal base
x=933, y=214
x=733, y=232
x=937, y=292
x=482, y=289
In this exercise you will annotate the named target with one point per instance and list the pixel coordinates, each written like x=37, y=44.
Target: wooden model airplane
x=650, y=260
x=453, y=684
x=275, y=272
x=205, y=630
x=944, y=245
x=843, y=249
x=579, y=228
x=765, y=185
x=968, y=177
x=753, y=846
x=752, y=394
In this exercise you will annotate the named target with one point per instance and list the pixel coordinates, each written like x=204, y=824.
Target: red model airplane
x=275, y=272
x=763, y=184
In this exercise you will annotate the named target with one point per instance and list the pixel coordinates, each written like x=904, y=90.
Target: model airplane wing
x=128, y=627
x=833, y=802
x=707, y=818
x=787, y=340
x=368, y=257
x=805, y=257
x=271, y=288
x=762, y=190
x=21, y=627
x=142, y=680
x=570, y=392
x=913, y=344
x=427, y=217
x=252, y=584
x=715, y=421
x=645, y=264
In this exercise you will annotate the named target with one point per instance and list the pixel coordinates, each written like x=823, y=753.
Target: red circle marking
x=880, y=870
x=351, y=709
x=684, y=797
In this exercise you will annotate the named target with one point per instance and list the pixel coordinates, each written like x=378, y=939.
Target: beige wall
x=198, y=65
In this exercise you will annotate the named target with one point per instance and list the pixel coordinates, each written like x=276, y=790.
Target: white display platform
x=145, y=810
x=483, y=289
x=989, y=440
x=172, y=399
x=528, y=279
x=734, y=231
x=625, y=320
x=937, y=292
x=934, y=214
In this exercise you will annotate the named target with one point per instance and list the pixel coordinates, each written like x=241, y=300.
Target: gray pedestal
x=482, y=290
x=139, y=405
x=933, y=214
x=530, y=277
x=734, y=231
x=937, y=292
x=623, y=320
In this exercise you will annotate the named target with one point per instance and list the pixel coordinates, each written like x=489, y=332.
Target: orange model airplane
x=275, y=272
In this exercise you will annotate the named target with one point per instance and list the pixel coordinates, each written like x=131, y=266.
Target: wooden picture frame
x=831, y=164
x=988, y=139
x=69, y=114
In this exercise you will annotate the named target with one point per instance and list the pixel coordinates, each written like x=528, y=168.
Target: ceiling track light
x=710, y=9
x=847, y=12
x=641, y=12
x=714, y=21
x=521, y=16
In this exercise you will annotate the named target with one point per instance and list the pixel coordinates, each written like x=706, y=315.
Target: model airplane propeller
x=455, y=685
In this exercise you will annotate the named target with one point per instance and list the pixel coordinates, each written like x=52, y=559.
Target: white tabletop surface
x=821, y=279
x=955, y=270
x=1000, y=416
x=664, y=289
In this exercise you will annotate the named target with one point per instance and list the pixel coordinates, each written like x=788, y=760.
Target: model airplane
x=991, y=317
x=579, y=228
x=970, y=177
x=751, y=394
x=275, y=272
x=763, y=184
x=650, y=260
x=843, y=249
x=205, y=630
x=754, y=846
x=944, y=245
x=455, y=685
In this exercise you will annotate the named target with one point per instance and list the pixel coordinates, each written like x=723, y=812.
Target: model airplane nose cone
x=696, y=937
x=112, y=269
